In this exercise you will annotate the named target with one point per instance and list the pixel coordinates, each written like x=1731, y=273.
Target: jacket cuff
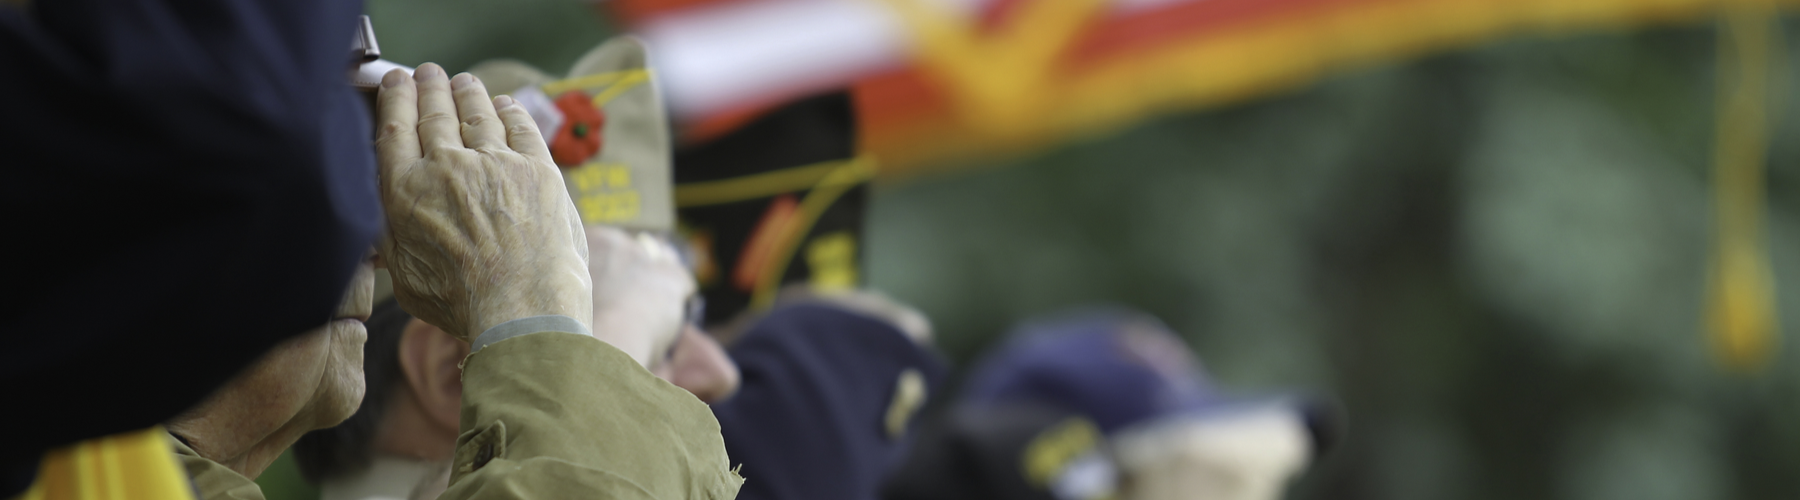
x=527, y=326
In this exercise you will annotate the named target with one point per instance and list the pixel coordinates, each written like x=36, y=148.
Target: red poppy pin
x=579, y=137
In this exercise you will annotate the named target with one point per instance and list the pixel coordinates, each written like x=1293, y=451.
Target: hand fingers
x=397, y=112
x=522, y=133
x=480, y=125
x=439, y=127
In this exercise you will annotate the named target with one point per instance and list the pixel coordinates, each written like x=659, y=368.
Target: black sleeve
x=187, y=182
x=807, y=423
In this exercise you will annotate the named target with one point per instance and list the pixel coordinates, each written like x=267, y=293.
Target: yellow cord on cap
x=835, y=184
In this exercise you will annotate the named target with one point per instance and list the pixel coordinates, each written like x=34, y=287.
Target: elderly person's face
x=318, y=376
x=324, y=367
x=309, y=382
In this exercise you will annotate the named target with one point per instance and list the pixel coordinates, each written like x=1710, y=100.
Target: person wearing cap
x=818, y=366
x=833, y=383
x=831, y=379
x=404, y=434
x=152, y=148
x=484, y=242
x=1107, y=404
x=399, y=444
x=833, y=376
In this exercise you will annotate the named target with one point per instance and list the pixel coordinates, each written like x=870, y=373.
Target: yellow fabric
x=132, y=465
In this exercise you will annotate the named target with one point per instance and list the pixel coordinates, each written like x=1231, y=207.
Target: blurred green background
x=1492, y=258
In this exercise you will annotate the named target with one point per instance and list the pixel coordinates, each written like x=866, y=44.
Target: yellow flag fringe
x=1742, y=322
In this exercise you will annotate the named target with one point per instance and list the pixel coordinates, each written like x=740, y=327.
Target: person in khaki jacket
x=484, y=242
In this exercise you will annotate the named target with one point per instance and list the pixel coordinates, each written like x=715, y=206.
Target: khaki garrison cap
x=606, y=128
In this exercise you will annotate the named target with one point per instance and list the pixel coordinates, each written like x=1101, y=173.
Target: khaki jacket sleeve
x=563, y=415
x=212, y=480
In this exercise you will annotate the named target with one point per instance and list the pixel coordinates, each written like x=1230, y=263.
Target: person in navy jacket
x=831, y=386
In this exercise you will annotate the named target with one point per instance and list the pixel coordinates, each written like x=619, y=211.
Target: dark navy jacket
x=807, y=423
x=187, y=182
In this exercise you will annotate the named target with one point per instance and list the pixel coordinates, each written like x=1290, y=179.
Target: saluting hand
x=480, y=228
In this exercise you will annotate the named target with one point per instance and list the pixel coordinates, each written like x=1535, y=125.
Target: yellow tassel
x=1741, y=321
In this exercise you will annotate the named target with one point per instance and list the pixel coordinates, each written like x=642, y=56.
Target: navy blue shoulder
x=820, y=384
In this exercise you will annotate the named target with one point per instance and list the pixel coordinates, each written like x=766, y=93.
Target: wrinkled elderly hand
x=640, y=292
x=480, y=228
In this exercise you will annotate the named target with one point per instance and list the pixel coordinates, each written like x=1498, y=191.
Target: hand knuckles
x=386, y=141
x=474, y=88
x=436, y=116
x=391, y=128
x=440, y=156
x=477, y=119
x=397, y=93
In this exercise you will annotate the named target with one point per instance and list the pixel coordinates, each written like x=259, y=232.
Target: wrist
x=570, y=296
x=527, y=326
